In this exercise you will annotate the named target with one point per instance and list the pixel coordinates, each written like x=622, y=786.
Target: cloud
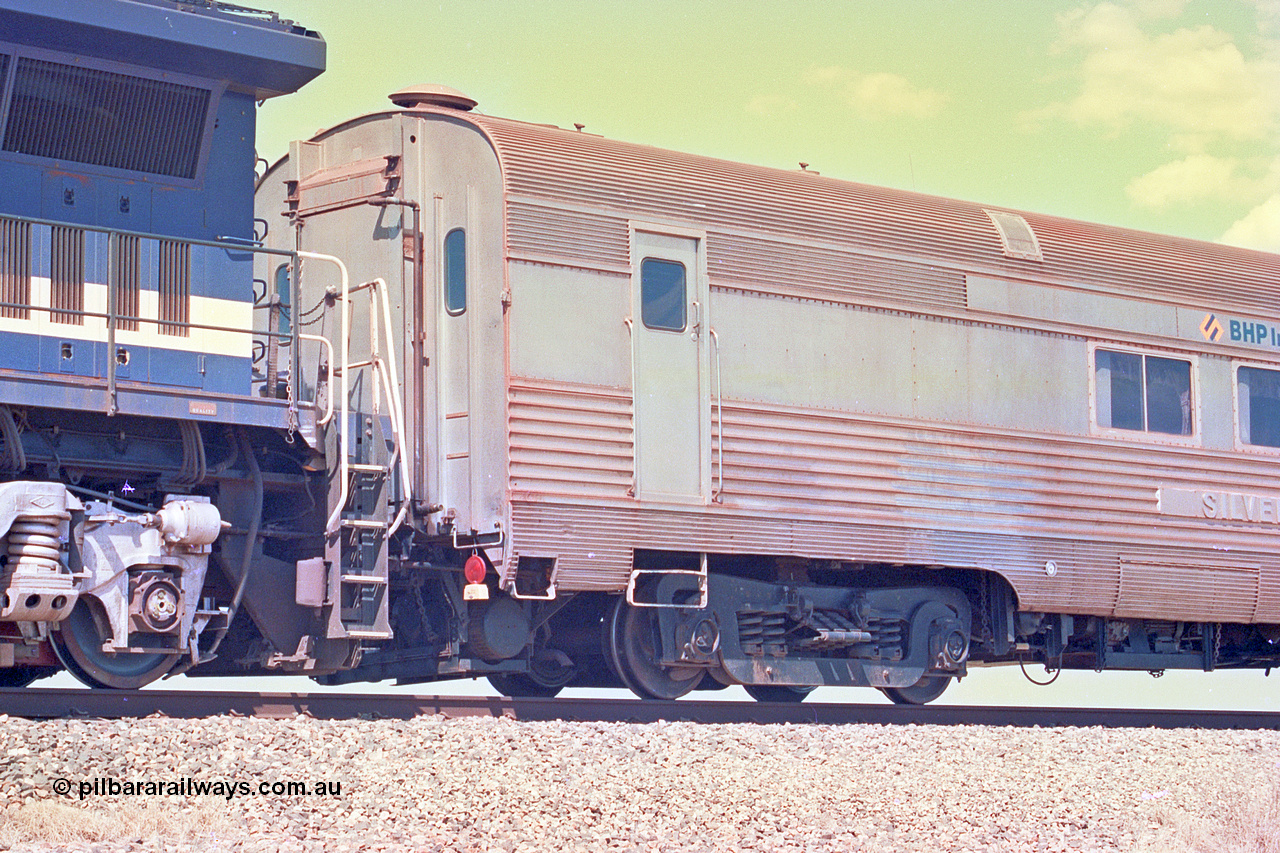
x=1195, y=81
x=879, y=94
x=1259, y=228
x=1195, y=178
x=1158, y=8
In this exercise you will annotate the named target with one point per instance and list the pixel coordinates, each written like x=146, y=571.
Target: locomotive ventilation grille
x=776, y=633
x=15, y=269
x=103, y=118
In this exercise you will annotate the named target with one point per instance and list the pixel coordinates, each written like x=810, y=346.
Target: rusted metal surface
x=892, y=383
x=564, y=169
x=45, y=703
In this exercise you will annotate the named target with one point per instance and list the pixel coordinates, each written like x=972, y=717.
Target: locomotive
x=444, y=395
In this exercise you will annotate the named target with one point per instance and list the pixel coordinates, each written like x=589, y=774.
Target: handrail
x=112, y=317
x=392, y=385
x=717, y=481
x=147, y=235
x=323, y=341
x=335, y=518
x=388, y=379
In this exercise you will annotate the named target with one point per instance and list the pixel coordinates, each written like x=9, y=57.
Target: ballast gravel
x=483, y=784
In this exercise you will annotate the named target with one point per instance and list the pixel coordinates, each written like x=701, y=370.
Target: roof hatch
x=432, y=95
x=1016, y=236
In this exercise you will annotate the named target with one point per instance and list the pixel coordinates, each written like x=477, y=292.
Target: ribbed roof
x=638, y=181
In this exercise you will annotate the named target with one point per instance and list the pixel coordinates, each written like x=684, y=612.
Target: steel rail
x=49, y=703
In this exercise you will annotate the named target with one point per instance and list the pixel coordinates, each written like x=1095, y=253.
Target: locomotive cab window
x=662, y=295
x=1143, y=393
x=455, y=271
x=1258, y=406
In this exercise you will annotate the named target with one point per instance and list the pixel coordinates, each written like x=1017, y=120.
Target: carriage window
x=662, y=294
x=455, y=271
x=1143, y=392
x=1258, y=398
x=283, y=290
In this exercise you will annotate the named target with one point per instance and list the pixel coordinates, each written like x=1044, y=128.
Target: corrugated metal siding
x=585, y=172
x=539, y=233
x=825, y=485
x=569, y=442
x=593, y=549
x=1188, y=591
x=818, y=464
x=759, y=265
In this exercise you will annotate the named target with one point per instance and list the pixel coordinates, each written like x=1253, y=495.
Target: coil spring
x=33, y=541
x=762, y=633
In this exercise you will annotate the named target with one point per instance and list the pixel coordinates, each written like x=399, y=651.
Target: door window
x=662, y=295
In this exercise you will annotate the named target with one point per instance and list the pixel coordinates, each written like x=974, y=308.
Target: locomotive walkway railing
x=68, y=292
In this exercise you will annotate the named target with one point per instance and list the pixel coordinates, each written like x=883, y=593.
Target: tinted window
x=1143, y=392
x=1168, y=395
x=283, y=288
x=662, y=294
x=1259, y=401
x=455, y=271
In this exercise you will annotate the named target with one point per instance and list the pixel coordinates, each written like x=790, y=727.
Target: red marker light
x=474, y=569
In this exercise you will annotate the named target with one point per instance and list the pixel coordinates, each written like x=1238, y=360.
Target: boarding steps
x=364, y=453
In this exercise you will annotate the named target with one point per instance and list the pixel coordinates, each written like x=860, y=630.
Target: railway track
x=46, y=703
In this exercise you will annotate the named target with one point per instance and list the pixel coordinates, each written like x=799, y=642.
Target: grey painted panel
x=1011, y=378
x=1096, y=311
x=812, y=354
x=1217, y=402
x=567, y=324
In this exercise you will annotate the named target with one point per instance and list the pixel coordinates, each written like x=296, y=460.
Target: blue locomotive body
x=142, y=328
x=127, y=160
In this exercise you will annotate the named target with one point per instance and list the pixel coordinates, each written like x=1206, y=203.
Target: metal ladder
x=359, y=528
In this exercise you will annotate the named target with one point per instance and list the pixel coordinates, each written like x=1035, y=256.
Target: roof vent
x=1016, y=236
x=432, y=95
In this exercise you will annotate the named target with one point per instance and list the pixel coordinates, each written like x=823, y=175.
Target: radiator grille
x=15, y=269
x=128, y=277
x=66, y=275
x=105, y=119
x=175, y=288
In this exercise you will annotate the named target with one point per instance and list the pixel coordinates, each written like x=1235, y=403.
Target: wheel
x=78, y=644
x=633, y=647
x=520, y=686
x=777, y=693
x=923, y=692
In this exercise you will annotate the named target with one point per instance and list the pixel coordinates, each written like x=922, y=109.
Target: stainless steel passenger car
x=702, y=423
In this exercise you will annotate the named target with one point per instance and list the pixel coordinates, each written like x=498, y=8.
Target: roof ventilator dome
x=432, y=95
x=1016, y=236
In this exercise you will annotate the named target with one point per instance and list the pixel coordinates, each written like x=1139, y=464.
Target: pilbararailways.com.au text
x=187, y=786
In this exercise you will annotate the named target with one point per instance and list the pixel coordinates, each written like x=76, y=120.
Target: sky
x=1162, y=115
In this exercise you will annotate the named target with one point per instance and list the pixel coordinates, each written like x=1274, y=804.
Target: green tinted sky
x=1155, y=114
x=1163, y=115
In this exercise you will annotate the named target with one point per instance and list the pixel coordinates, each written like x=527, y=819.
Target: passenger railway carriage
x=482, y=397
